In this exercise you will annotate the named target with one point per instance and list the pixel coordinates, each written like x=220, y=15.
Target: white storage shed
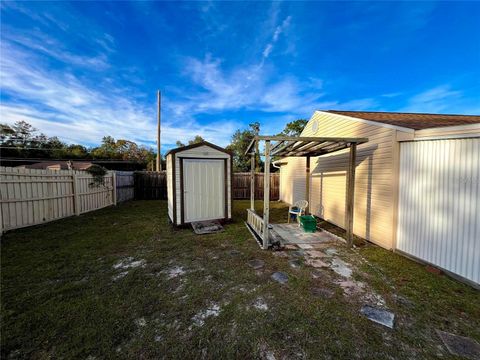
x=199, y=183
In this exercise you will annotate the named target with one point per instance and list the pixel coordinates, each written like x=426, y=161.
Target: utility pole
x=159, y=160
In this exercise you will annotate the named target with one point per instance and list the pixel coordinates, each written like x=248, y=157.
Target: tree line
x=23, y=140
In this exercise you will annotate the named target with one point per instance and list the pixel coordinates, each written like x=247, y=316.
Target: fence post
x=114, y=187
x=76, y=200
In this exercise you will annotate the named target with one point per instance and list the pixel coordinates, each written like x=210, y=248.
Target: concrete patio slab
x=293, y=234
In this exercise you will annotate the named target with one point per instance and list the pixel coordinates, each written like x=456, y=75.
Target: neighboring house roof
x=59, y=165
x=416, y=121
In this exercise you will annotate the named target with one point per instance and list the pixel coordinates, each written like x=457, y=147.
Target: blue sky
x=83, y=70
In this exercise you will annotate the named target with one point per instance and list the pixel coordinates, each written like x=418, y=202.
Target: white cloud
x=61, y=104
x=435, y=100
x=278, y=31
x=250, y=87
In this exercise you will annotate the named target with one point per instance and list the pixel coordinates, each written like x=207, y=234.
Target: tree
x=240, y=141
x=294, y=128
x=197, y=139
x=78, y=151
x=123, y=150
x=22, y=140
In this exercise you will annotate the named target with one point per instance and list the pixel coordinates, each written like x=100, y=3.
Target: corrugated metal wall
x=439, y=204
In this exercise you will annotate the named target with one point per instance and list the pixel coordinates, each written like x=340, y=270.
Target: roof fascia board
x=448, y=128
x=444, y=137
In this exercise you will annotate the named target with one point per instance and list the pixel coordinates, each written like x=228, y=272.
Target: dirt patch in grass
x=121, y=283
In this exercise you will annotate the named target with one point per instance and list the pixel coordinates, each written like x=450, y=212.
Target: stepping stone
x=280, y=277
x=305, y=246
x=280, y=254
x=380, y=316
x=298, y=253
x=291, y=247
x=460, y=345
x=322, y=293
x=235, y=252
x=316, y=263
x=256, y=264
x=295, y=263
x=315, y=254
x=331, y=251
x=351, y=287
x=341, y=267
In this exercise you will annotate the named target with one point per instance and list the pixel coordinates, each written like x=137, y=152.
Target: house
x=417, y=186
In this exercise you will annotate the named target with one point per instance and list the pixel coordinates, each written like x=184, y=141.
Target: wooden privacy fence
x=125, y=185
x=241, y=186
x=32, y=196
x=150, y=185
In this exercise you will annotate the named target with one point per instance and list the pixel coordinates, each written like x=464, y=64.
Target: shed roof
x=193, y=146
x=416, y=121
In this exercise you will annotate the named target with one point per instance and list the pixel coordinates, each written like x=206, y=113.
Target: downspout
x=274, y=164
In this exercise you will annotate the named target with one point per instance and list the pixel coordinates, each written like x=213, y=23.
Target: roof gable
x=193, y=146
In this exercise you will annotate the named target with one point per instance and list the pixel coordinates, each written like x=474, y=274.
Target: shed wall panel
x=170, y=186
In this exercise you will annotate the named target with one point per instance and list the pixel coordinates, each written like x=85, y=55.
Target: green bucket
x=309, y=223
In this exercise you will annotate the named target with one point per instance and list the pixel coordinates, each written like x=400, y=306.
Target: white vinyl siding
x=449, y=131
x=293, y=178
x=439, y=204
x=374, y=209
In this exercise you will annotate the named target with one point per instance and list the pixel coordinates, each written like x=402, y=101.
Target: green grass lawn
x=65, y=293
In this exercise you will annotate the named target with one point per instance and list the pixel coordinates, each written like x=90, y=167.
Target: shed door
x=439, y=204
x=204, y=189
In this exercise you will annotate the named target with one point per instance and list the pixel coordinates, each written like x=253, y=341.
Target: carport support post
x=252, y=183
x=350, y=193
x=266, y=195
x=307, y=185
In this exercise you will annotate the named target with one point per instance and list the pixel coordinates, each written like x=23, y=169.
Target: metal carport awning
x=290, y=146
